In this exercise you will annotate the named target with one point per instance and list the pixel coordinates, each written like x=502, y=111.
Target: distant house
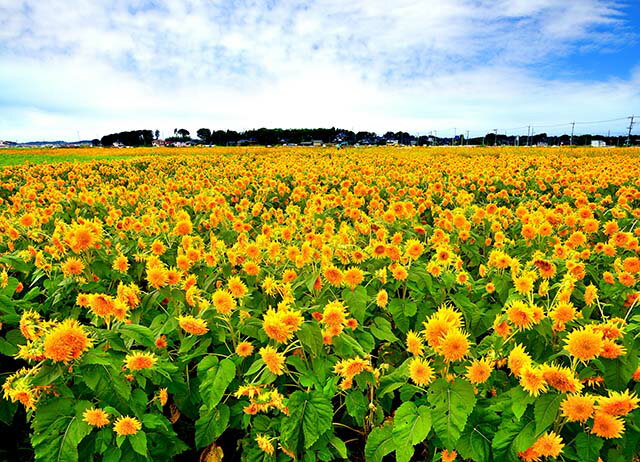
x=598, y=144
x=118, y=144
x=316, y=143
x=392, y=142
x=158, y=143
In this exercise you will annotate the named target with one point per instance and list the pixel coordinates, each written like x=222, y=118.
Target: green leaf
x=520, y=400
x=339, y=446
x=75, y=431
x=357, y=405
x=618, y=372
x=310, y=416
x=211, y=424
x=404, y=453
x=545, y=410
x=141, y=334
x=356, y=301
x=216, y=381
x=310, y=335
x=139, y=443
x=473, y=444
x=47, y=375
x=452, y=404
x=346, y=346
x=397, y=309
x=57, y=431
x=588, y=447
x=411, y=424
x=379, y=443
x=381, y=329
x=108, y=384
x=512, y=435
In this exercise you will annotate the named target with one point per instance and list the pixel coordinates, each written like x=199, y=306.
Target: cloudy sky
x=84, y=68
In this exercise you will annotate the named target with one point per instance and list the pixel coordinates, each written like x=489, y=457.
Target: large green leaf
x=357, y=405
x=139, y=443
x=452, y=404
x=411, y=424
x=310, y=416
x=211, y=424
x=109, y=384
x=57, y=431
x=141, y=334
x=545, y=410
x=520, y=400
x=618, y=372
x=475, y=441
x=397, y=309
x=356, y=301
x=511, y=436
x=310, y=335
x=217, y=379
x=588, y=447
x=379, y=443
x=381, y=329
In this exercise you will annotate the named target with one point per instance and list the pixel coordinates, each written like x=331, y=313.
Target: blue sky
x=92, y=67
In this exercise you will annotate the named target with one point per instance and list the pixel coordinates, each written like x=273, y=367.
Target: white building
x=598, y=144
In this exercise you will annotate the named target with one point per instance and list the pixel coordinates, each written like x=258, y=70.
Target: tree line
x=283, y=136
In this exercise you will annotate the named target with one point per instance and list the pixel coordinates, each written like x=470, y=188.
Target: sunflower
x=102, y=305
x=223, y=302
x=353, y=277
x=140, y=360
x=454, y=345
x=127, y=426
x=334, y=276
x=414, y=343
x=120, y=264
x=561, y=378
x=244, y=349
x=420, y=372
x=275, y=327
x=518, y=358
x=157, y=277
x=607, y=426
x=193, y=325
x=66, y=342
x=548, y=445
x=265, y=444
x=520, y=314
x=479, y=371
x=382, y=298
x=334, y=314
x=531, y=379
x=578, y=408
x=72, y=267
x=584, y=344
x=96, y=417
x=618, y=403
x=272, y=359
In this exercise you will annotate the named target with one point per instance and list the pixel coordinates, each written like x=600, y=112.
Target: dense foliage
x=279, y=304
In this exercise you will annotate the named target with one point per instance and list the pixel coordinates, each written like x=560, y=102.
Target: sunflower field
x=278, y=304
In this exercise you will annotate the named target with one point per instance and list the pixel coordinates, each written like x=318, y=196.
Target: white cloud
x=102, y=66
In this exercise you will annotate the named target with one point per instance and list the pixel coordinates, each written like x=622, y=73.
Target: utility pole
x=573, y=126
x=454, y=136
x=495, y=138
x=630, y=127
x=466, y=140
x=528, y=131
